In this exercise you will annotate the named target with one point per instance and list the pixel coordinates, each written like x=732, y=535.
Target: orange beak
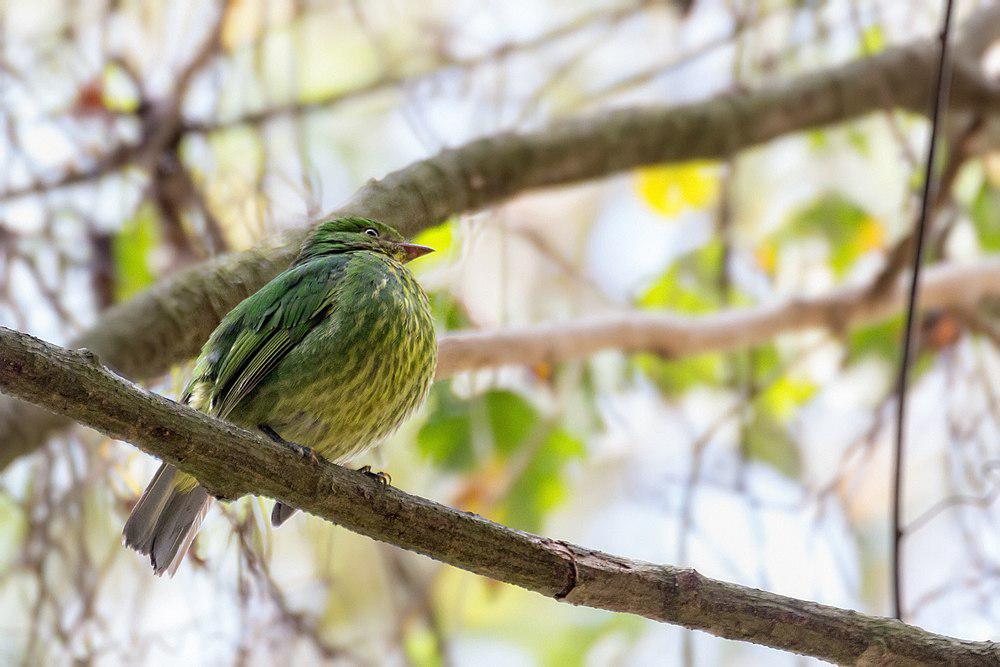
x=413, y=250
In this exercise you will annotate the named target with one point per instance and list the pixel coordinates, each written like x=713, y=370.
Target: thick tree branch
x=232, y=462
x=961, y=286
x=168, y=323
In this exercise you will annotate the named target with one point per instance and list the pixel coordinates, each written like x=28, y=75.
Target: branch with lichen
x=232, y=462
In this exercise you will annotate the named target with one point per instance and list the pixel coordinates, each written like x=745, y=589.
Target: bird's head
x=352, y=233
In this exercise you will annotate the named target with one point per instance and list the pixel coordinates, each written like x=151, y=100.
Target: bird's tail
x=167, y=517
x=281, y=513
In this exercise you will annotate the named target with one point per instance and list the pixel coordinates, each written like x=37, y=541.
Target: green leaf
x=818, y=139
x=447, y=311
x=542, y=487
x=570, y=646
x=669, y=292
x=131, y=250
x=446, y=437
x=985, y=212
x=781, y=398
x=675, y=377
x=446, y=440
x=764, y=361
x=119, y=92
x=674, y=188
x=859, y=141
x=421, y=647
x=691, y=283
x=768, y=441
x=850, y=230
x=512, y=419
x=881, y=340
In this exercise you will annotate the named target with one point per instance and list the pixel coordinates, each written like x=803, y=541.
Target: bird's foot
x=305, y=452
x=301, y=450
x=383, y=478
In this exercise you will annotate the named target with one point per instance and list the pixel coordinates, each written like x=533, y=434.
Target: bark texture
x=232, y=462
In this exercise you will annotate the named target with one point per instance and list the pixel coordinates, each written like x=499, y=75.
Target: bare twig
x=930, y=183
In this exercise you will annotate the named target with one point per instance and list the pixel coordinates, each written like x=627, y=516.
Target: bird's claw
x=301, y=450
x=383, y=478
x=306, y=453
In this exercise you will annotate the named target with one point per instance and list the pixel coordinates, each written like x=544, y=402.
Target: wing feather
x=256, y=335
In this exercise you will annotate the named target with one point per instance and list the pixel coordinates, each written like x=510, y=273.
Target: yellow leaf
x=441, y=238
x=242, y=23
x=871, y=235
x=671, y=189
x=872, y=40
x=785, y=395
x=766, y=255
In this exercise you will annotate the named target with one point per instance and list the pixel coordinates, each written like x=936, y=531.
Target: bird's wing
x=256, y=335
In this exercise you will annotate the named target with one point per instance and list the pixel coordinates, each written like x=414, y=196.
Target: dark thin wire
x=941, y=86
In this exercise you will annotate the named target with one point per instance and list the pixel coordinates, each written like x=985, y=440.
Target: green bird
x=330, y=357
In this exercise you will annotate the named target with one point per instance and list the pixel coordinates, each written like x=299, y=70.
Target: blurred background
x=141, y=137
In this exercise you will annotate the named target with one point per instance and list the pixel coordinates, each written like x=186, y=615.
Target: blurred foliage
x=501, y=439
x=446, y=436
x=542, y=486
x=118, y=90
x=133, y=249
x=880, y=340
x=846, y=227
x=676, y=376
x=442, y=239
x=781, y=398
x=985, y=212
x=448, y=311
x=872, y=40
x=674, y=188
x=690, y=284
x=768, y=441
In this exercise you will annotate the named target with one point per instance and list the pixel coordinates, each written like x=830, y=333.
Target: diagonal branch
x=168, y=323
x=232, y=462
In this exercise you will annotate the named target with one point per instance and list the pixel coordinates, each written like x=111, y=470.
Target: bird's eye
x=372, y=233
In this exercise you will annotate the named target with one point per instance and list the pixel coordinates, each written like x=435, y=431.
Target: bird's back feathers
x=256, y=335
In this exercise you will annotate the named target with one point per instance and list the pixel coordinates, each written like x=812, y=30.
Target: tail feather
x=165, y=520
x=281, y=513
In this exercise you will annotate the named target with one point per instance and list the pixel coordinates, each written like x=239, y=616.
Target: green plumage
x=332, y=354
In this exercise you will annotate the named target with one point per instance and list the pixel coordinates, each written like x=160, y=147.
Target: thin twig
x=941, y=86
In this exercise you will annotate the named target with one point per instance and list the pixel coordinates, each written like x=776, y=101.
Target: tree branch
x=961, y=286
x=168, y=323
x=232, y=462
x=161, y=121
